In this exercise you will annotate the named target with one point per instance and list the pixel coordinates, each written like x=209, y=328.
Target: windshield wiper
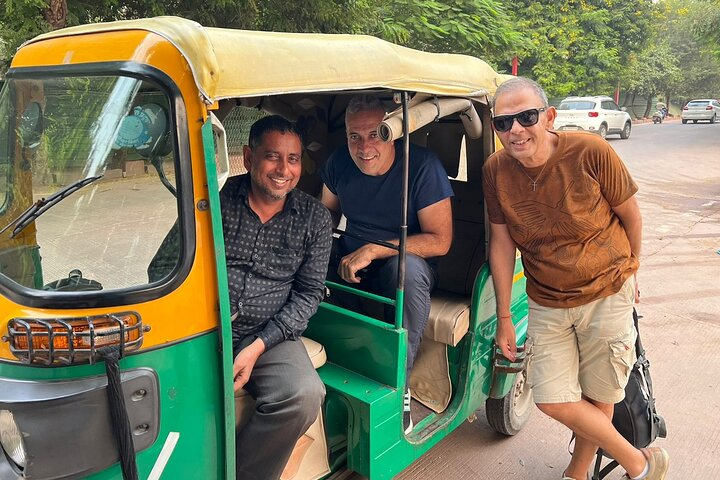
x=44, y=204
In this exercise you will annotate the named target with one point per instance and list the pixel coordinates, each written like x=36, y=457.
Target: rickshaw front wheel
x=509, y=414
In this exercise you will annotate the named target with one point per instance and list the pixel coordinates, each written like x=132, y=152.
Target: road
x=677, y=168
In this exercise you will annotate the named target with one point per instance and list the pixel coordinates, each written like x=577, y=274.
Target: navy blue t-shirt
x=372, y=204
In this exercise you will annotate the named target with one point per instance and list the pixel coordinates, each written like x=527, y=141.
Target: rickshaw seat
x=449, y=318
x=309, y=460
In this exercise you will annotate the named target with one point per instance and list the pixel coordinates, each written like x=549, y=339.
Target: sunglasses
x=526, y=118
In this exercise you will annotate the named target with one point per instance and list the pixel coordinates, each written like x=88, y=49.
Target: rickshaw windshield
x=87, y=182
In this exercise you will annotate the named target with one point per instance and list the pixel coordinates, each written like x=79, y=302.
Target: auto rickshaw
x=115, y=348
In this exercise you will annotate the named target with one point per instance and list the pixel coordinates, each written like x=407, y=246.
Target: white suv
x=599, y=115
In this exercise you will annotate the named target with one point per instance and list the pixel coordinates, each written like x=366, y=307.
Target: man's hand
x=245, y=362
x=357, y=260
x=637, y=290
x=505, y=337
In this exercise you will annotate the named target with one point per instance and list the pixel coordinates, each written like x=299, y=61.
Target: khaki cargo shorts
x=583, y=351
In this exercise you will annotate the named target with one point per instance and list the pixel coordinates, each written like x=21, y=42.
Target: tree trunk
x=649, y=106
x=56, y=13
x=631, y=102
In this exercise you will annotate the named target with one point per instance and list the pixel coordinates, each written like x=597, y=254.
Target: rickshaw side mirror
x=145, y=129
x=221, y=150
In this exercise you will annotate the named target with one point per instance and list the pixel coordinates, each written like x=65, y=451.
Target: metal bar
x=360, y=293
x=50, y=340
x=503, y=365
x=404, y=214
x=360, y=237
x=91, y=331
x=28, y=337
x=71, y=344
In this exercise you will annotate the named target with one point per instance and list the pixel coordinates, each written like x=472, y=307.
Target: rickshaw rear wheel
x=509, y=414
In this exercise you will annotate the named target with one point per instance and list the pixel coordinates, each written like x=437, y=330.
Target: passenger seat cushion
x=449, y=318
x=430, y=377
x=448, y=323
x=309, y=460
x=316, y=352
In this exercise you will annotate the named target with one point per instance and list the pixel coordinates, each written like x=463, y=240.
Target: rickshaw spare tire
x=509, y=414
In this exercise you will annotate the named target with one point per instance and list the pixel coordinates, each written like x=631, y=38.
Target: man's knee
x=418, y=273
x=308, y=398
x=553, y=410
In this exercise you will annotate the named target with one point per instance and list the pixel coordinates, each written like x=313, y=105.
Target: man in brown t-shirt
x=567, y=202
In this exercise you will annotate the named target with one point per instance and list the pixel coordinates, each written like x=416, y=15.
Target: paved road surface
x=678, y=170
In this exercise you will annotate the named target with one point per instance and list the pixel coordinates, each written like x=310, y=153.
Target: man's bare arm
x=629, y=214
x=502, y=267
x=434, y=240
x=631, y=219
x=332, y=203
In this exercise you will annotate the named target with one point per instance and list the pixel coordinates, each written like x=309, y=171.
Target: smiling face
x=370, y=153
x=274, y=165
x=533, y=145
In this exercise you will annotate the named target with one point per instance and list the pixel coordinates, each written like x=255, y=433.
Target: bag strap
x=639, y=350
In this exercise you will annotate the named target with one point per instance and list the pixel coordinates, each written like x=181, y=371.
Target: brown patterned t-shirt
x=574, y=248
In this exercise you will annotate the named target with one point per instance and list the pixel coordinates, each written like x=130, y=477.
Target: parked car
x=702, y=109
x=597, y=114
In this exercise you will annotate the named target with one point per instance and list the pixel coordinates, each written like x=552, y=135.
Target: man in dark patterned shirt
x=277, y=242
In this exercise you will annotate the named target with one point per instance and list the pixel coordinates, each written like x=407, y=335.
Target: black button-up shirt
x=276, y=270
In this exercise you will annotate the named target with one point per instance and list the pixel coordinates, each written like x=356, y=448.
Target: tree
x=683, y=29
x=654, y=71
x=706, y=23
x=580, y=46
x=481, y=28
x=476, y=27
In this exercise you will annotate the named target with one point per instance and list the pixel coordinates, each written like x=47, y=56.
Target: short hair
x=519, y=83
x=364, y=102
x=272, y=123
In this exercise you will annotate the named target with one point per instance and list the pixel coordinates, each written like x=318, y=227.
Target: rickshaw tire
x=509, y=414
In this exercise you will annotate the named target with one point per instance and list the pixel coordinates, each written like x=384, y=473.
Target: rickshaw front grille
x=69, y=341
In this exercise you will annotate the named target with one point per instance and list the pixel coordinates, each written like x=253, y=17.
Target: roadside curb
x=641, y=121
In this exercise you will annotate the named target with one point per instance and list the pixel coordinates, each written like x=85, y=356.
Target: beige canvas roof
x=238, y=63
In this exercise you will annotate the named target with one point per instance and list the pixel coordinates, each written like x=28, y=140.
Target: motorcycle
x=658, y=116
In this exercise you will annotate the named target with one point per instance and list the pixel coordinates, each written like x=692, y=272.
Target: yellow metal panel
x=193, y=307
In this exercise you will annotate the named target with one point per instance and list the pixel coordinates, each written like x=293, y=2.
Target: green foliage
x=580, y=46
x=679, y=40
x=669, y=47
x=705, y=19
x=475, y=27
x=654, y=71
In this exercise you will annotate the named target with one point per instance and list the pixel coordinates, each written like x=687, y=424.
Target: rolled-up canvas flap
x=422, y=114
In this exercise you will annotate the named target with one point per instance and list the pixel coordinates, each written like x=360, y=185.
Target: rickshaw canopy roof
x=240, y=63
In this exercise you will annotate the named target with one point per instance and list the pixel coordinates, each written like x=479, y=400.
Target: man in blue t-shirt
x=363, y=181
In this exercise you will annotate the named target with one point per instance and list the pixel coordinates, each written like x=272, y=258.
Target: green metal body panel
x=364, y=375
x=363, y=345
x=226, y=348
x=190, y=388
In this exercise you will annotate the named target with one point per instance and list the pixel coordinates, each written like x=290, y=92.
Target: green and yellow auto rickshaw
x=115, y=350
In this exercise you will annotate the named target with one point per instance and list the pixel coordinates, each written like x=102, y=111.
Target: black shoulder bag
x=635, y=416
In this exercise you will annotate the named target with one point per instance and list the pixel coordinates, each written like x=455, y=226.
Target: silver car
x=703, y=109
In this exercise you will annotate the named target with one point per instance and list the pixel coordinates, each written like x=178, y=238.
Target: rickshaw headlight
x=73, y=340
x=11, y=439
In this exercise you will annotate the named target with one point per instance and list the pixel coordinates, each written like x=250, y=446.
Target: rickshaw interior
x=367, y=344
